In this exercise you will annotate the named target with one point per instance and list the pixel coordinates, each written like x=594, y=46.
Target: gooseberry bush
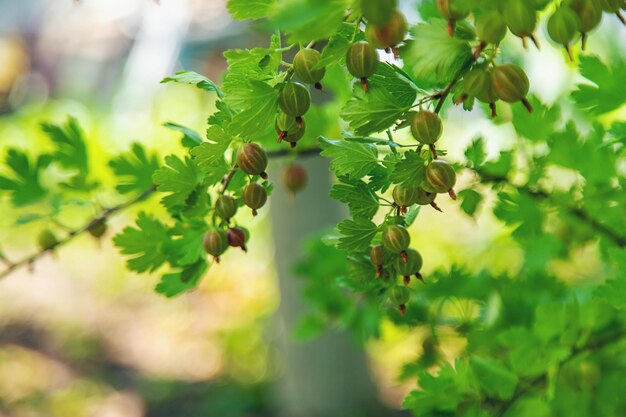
x=356, y=82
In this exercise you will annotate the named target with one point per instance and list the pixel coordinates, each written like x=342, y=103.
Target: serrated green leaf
x=608, y=91
x=23, y=180
x=337, y=46
x=538, y=125
x=145, y=242
x=308, y=20
x=249, y=9
x=209, y=156
x=190, y=139
x=359, y=198
x=134, y=170
x=390, y=96
x=493, y=377
x=435, y=57
x=185, y=246
x=71, y=152
x=356, y=235
x=409, y=171
x=349, y=158
x=193, y=78
x=470, y=200
x=180, y=178
x=176, y=283
x=475, y=153
x=258, y=114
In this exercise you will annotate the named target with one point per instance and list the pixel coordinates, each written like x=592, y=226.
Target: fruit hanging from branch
x=252, y=160
x=361, y=61
x=294, y=99
x=305, y=65
x=254, y=196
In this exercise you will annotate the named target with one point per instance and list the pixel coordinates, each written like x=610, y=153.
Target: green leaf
x=470, y=200
x=359, y=198
x=249, y=9
x=185, y=247
x=308, y=20
x=23, y=181
x=175, y=283
x=409, y=171
x=191, y=138
x=70, y=152
x=209, y=156
x=179, y=178
x=538, y=125
x=193, y=78
x=435, y=57
x=390, y=96
x=356, y=235
x=349, y=158
x=134, y=170
x=258, y=110
x=521, y=211
x=475, y=153
x=608, y=91
x=146, y=242
x=493, y=378
x=337, y=46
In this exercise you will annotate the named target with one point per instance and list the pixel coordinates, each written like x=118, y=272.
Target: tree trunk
x=326, y=377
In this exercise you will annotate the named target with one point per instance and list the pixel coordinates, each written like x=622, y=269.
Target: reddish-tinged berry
x=396, y=239
x=377, y=257
x=304, y=65
x=295, y=178
x=391, y=33
x=237, y=238
x=225, y=207
x=378, y=12
x=254, y=196
x=400, y=295
x=511, y=84
x=215, y=243
x=412, y=265
x=294, y=99
x=426, y=127
x=439, y=177
x=252, y=160
x=288, y=129
x=97, y=228
x=361, y=61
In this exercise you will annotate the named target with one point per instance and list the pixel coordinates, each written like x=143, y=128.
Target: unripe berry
x=391, y=33
x=426, y=127
x=378, y=12
x=395, y=239
x=439, y=177
x=288, y=129
x=294, y=99
x=377, y=256
x=611, y=6
x=490, y=27
x=254, y=196
x=451, y=12
x=425, y=198
x=252, y=159
x=412, y=265
x=511, y=84
x=562, y=27
x=215, y=243
x=521, y=18
x=237, y=238
x=589, y=15
x=361, y=61
x=97, y=228
x=405, y=196
x=47, y=240
x=400, y=295
x=477, y=83
x=225, y=207
x=304, y=66
x=295, y=178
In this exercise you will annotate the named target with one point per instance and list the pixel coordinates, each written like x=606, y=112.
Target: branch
x=541, y=379
x=577, y=212
x=109, y=212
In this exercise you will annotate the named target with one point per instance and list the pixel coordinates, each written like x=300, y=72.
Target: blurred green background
x=81, y=336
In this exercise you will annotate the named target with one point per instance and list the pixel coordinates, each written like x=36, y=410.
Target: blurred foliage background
x=79, y=334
